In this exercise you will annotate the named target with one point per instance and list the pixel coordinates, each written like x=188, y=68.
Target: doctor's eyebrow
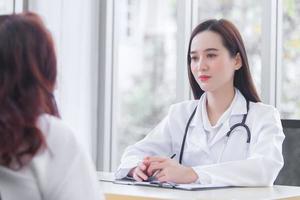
x=206, y=50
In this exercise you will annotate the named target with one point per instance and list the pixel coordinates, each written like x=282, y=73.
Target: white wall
x=73, y=24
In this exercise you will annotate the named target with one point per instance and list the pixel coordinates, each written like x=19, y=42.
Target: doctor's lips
x=204, y=78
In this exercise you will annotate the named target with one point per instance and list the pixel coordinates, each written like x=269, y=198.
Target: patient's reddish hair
x=27, y=80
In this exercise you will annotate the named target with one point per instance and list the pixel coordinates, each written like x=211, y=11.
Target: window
x=247, y=16
x=289, y=102
x=148, y=59
x=145, y=69
x=6, y=7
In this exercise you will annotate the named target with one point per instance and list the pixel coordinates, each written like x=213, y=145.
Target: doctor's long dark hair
x=27, y=80
x=233, y=42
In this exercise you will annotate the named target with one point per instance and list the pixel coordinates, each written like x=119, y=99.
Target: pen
x=152, y=178
x=173, y=156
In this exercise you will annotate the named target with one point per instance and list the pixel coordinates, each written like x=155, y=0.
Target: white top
x=210, y=130
x=63, y=171
x=223, y=160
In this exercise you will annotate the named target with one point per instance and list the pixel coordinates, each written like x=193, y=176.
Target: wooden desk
x=129, y=192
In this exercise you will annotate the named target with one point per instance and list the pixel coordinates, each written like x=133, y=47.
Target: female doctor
x=224, y=136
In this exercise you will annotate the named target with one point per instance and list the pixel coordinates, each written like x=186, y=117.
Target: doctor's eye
x=194, y=58
x=211, y=55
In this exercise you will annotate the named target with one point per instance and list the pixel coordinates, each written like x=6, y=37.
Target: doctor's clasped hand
x=164, y=169
x=169, y=170
x=139, y=172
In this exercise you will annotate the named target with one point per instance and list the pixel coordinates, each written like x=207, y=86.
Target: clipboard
x=169, y=185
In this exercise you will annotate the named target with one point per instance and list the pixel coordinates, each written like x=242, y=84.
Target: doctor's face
x=211, y=63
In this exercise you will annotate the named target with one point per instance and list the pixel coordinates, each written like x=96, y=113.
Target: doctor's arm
x=157, y=142
x=263, y=163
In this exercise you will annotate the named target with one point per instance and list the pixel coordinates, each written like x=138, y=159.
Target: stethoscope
x=241, y=124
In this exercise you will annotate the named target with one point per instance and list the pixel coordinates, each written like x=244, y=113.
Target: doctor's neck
x=219, y=101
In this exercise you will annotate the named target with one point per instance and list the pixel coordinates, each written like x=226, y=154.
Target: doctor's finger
x=146, y=163
x=141, y=174
x=163, y=178
x=136, y=177
x=160, y=174
x=142, y=166
x=155, y=166
x=157, y=159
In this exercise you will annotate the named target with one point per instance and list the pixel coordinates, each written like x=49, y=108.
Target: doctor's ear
x=238, y=61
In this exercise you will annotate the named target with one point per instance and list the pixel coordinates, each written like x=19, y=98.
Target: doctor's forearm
x=250, y=172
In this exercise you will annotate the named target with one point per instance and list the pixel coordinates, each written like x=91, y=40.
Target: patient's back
x=62, y=171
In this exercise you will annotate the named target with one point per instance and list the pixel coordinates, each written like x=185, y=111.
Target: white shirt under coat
x=215, y=158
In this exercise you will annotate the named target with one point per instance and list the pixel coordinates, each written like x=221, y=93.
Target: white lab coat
x=219, y=161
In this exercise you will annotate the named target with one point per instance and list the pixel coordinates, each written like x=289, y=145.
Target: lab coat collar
x=239, y=107
x=198, y=115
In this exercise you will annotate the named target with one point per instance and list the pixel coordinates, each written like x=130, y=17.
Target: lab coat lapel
x=221, y=133
x=200, y=138
x=239, y=108
x=197, y=133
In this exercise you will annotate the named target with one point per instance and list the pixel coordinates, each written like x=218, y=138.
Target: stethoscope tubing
x=241, y=124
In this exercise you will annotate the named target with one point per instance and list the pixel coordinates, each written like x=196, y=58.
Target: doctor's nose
x=201, y=65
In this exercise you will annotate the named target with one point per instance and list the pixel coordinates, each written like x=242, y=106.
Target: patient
x=39, y=155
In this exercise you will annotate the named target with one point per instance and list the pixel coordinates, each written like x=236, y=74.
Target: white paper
x=192, y=186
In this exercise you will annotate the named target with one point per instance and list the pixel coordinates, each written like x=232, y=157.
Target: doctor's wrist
x=191, y=175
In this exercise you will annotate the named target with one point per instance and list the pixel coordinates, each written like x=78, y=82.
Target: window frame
x=270, y=74
x=107, y=76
